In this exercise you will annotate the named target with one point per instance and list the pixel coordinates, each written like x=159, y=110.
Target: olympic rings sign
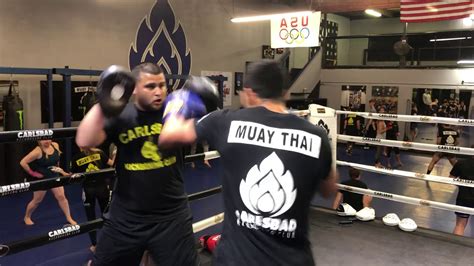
x=294, y=35
x=295, y=30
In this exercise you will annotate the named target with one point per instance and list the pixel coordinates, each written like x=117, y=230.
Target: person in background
x=357, y=201
x=413, y=125
x=41, y=163
x=392, y=133
x=205, y=148
x=463, y=169
x=351, y=128
x=370, y=127
x=94, y=189
x=381, y=134
x=447, y=136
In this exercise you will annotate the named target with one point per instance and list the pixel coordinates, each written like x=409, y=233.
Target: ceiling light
x=269, y=16
x=373, y=13
x=467, y=21
x=465, y=62
x=450, y=39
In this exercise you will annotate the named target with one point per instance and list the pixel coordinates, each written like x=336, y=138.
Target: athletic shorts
x=466, y=202
x=446, y=155
x=352, y=131
x=169, y=242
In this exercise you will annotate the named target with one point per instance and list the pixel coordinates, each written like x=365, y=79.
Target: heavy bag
x=13, y=120
x=87, y=101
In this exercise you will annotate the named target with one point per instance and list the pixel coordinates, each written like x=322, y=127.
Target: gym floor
x=75, y=250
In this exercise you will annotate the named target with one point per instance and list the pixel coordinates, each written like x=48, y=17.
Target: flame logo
x=268, y=188
x=324, y=126
x=160, y=39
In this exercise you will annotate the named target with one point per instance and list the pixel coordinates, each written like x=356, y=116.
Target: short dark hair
x=267, y=78
x=354, y=173
x=149, y=68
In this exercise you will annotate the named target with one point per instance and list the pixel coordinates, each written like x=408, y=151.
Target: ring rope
x=50, y=237
x=209, y=222
x=48, y=183
x=399, y=117
x=408, y=200
x=408, y=174
x=37, y=134
x=407, y=144
x=74, y=230
x=412, y=118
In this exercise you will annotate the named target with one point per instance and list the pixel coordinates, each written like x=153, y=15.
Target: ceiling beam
x=332, y=6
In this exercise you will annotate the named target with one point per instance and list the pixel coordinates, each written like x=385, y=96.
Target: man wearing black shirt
x=357, y=201
x=448, y=136
x=149, y=208
x=273, y=162
x=463, y=169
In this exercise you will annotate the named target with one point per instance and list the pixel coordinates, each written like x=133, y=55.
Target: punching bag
x=13, y=119
x=87, y=101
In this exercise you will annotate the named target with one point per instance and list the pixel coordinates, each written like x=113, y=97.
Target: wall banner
x=297, y=30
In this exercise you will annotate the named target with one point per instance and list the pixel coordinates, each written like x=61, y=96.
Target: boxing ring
x=336, y=240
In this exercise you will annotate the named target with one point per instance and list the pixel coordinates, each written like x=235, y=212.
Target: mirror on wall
x=386, y=96
x=452, y=103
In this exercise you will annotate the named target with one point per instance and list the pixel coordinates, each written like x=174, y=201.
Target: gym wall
x=93, y=34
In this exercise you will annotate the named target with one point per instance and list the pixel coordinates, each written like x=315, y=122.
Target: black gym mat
x=373, y=243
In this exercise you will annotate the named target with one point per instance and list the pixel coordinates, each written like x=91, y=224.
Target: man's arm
x=177, y=131
x=90, y=132
x=328, y=186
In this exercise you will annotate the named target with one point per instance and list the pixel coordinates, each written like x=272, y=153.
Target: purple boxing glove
x=184, y=103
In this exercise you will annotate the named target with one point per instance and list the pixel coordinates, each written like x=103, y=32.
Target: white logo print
x=268, y=188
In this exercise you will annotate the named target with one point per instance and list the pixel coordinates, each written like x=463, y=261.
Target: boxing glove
x=209, y=242
x=198, y=96
x=115, y=87
x=205, y=89
x=184, y=103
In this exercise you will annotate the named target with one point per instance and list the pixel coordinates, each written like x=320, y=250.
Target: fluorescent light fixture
x=467, y=21
x=465, y=62
x=432, y=9
x=450, y=39
x=373, y=13
x=269, y=17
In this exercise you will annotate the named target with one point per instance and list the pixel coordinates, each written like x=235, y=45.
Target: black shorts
x=447, y=155
x=99, y=191
x=466, y=202
x=169, y=242
x=352, y=131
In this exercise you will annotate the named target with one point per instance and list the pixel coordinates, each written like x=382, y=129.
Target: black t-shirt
x=149, y=184
x=351, y=121
x=93, y=161
x=448, y=136
x=272, y=166
x=464, y=169
x=353, y=199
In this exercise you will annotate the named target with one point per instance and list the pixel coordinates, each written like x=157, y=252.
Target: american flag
x=434, y=10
